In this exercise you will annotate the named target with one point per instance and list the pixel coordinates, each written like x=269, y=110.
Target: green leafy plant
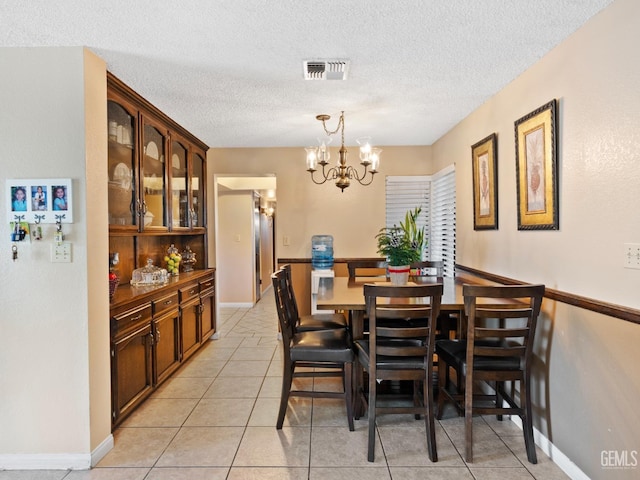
x=404, y=244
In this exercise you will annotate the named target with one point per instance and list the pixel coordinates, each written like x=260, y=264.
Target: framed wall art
x=537, y=169
x=40, y=200
x=484, y=156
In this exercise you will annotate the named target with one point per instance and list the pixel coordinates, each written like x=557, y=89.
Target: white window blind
x=404, y=194
x=436, y=195
x=443, y=219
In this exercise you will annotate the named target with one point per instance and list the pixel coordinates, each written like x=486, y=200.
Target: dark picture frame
x=537, y=169
x=484, y=157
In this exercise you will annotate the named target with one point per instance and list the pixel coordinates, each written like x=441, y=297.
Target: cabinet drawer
x=165, y=303
x=206, y=284
x=132, y=317
x=188, y=292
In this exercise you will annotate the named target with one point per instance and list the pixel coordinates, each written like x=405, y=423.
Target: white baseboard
x=39, y=461
x=62, y=461
x=101, y=450
x=237, y=305
x=556, y=456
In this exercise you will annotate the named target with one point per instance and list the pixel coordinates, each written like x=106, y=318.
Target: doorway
x=243, y=236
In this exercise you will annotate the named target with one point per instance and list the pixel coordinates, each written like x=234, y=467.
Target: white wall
x=587, y=376
x=54, y=334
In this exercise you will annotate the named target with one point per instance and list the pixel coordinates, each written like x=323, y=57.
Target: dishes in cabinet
x=151, y=150
x=122, y=176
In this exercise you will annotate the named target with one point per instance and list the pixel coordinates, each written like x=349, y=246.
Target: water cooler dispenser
x=322, y=263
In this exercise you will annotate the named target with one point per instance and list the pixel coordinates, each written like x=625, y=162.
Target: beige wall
x=235, y=246
x=54, y=322
x=588, y=380
x=305, y=209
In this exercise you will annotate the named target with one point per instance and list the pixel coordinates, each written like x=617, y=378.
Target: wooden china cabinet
x=157, y=185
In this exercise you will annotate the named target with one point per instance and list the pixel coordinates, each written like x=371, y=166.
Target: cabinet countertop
x=126, y=294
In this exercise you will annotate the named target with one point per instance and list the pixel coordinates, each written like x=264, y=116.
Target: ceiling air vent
x=326, y=69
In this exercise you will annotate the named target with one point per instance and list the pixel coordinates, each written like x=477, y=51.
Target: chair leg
x=429, y=418
x=443, y=372
x=468, y=417
x=348, y=393
x=416, y=397
x=499, y=399
x=372, y=418
x=527, y=422
x=287, y=378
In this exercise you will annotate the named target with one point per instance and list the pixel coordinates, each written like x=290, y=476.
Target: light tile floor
x=215, y=419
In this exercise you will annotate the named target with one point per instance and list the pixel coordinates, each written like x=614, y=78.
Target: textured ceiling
x=231, y=71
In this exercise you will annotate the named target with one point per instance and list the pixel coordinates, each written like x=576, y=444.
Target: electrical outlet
x=61, y=252
x=632, y=255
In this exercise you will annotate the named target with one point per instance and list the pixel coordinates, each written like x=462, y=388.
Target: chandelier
x=342, y=173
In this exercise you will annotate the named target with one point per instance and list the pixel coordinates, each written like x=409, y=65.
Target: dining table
x=347, y=294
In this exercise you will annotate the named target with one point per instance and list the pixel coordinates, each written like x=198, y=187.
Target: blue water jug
x=322, y=252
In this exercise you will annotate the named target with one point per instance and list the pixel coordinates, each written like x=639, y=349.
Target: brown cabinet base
x=153, y=331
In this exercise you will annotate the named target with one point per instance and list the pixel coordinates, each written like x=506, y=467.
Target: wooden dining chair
x=501, y=324
x=400, y=352
x=433, y=270
x=320, y=353
x=315, y=321
x=367, y=268
x=427, y=268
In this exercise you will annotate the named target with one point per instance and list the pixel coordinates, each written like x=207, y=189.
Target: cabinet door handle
x=192, y=291
x=137, y=317
x=168, y=302
x=157, y=337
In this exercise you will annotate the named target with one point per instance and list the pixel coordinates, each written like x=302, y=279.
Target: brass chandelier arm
x=327, y=175
x=353, y=173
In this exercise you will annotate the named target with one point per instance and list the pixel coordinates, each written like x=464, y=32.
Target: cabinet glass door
x=197, y=191
x=180, y=213
x=153, y=212
x=122, y=161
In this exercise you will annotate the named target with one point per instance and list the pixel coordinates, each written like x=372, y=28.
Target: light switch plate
x=632, y=255
x=61, y=252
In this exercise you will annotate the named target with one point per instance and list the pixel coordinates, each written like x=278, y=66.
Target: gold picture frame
x=537, y=169
x=484, y=156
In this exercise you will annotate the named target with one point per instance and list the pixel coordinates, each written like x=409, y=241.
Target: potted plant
x=402, y=245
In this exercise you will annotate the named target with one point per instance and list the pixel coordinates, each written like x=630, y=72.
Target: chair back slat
x=367, y=268
x=500, y=351
x=403, y=331
x=501, y=332
x=427, y=268
x=286, y=311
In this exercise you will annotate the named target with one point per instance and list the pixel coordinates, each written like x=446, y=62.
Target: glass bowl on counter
x=149, y=275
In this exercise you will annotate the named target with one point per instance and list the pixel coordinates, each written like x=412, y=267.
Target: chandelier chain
x=340, y=126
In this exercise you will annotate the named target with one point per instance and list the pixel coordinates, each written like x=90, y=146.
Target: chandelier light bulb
x=312, y=158
x=375, y=159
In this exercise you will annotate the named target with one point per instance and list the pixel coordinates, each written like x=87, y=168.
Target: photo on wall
x=39, y=200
